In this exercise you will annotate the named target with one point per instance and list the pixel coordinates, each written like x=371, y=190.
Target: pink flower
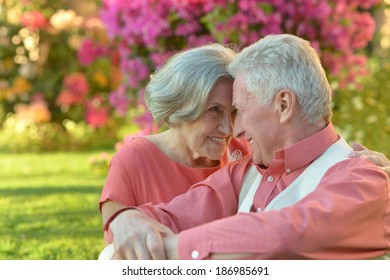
x=69, y=98
x=146, y=122
x=110, y=15
x=75, y=89
x=119, y=100
x=89, y=51
x=148, y=30
x=34, y=20
x=136, y=71
x=96, y=114
x=187, y=28
x=77, y=83
x=86, y=54
x=159, y=58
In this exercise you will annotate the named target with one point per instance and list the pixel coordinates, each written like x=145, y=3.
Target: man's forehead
x=239, y=89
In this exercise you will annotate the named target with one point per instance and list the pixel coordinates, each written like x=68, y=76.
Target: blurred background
x=72, y=75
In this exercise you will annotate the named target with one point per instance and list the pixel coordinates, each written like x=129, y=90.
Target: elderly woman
x=192, y=94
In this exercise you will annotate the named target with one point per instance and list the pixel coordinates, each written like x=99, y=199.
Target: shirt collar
x=305, y=151
x=302, y=153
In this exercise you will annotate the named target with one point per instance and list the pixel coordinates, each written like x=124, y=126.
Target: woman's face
x=209, y=135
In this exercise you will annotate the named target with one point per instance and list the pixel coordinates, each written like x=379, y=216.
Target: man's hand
x=138, y=237
x=378, y=159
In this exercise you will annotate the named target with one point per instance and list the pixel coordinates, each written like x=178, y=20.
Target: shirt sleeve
x=118, y=186
x=214, y=198
x=346, y=217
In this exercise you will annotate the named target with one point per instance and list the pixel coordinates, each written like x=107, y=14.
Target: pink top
x=346, y=217
x=138, y=171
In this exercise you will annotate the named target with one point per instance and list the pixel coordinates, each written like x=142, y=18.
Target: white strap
x=302, y=186
x=250, y=184
x=311, y=177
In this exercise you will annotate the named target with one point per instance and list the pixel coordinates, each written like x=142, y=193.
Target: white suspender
x=302, y=186
x=250, y=184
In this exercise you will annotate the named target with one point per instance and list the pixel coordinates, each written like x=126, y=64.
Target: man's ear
x=286, y=102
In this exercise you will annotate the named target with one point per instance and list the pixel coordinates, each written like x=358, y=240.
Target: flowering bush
x=83, y=76
x=56, y=67
x=149, y=31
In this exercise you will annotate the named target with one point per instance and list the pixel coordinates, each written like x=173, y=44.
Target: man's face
x=258, y=124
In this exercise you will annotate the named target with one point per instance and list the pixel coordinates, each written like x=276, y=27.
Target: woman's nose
x=225, y=125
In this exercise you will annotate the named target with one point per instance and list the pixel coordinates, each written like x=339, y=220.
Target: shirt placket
x=267, y=186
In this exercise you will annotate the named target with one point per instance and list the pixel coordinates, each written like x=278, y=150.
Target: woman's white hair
x=286, y=61
x=179, y=91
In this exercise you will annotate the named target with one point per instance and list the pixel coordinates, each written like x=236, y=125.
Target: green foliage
x=18, y=136
x=363, y=115
x=50, y=205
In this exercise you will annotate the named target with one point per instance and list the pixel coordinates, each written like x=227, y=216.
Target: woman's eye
x=215, y=109
x=233, y=115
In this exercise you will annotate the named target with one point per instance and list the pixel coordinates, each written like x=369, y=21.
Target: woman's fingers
x=358, y=147
x=156, y=248
x=376, y=158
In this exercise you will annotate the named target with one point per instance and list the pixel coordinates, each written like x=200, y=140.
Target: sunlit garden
x=72, y=77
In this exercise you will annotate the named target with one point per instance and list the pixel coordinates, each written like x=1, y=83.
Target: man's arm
x=214, y=198
x=346, y=217
x=172, y=251
x=140, y=236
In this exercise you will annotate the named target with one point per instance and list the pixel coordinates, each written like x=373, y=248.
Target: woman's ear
x=287, y=103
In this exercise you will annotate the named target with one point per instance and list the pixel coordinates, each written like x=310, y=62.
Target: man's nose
x=237, y=129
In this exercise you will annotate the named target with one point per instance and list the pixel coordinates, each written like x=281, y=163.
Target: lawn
x=48, y=205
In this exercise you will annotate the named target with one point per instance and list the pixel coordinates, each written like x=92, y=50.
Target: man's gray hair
x=179, y=91
x=286, y=61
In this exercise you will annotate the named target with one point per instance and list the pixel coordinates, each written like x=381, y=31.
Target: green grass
x=48, y=207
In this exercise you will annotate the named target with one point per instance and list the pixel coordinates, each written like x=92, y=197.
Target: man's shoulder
x=359, y=169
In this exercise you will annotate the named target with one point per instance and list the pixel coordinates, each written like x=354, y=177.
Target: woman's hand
x=377, y=158
x=138, y=237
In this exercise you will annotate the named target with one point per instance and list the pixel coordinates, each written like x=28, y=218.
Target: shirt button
x=195, y=254
x=288, y=170
x=258, y=210
x=270, y=178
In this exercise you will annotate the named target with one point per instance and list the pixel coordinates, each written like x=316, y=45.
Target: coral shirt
x=346, y=217
x=139, y=173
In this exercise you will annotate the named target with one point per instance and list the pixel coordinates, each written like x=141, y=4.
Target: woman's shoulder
x=139, y=148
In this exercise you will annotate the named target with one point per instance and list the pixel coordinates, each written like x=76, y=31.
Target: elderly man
x=298, y=197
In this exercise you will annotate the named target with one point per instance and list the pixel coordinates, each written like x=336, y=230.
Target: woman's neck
x=172, y=145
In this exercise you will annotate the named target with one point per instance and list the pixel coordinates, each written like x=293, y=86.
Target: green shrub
x=17, y=136
x=363, y=115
